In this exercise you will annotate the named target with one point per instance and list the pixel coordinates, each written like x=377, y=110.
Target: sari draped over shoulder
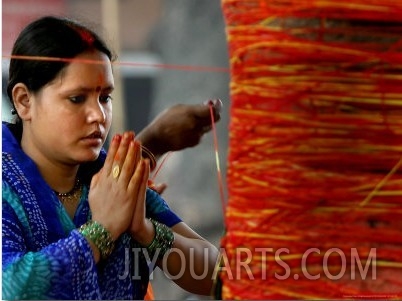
x=43, y=254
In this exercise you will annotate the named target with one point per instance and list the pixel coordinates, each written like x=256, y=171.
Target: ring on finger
x=116, y=171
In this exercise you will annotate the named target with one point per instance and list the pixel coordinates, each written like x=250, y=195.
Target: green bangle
x=163, y=240
x=101, y=237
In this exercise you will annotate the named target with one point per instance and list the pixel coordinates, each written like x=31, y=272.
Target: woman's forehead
x=91, y=71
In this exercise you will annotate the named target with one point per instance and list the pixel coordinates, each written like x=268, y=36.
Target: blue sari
x=43, y=254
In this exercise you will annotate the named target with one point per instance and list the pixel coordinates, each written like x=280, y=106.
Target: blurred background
x=169, y=52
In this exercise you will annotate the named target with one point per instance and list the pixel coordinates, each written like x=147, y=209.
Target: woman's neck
x=60, y=177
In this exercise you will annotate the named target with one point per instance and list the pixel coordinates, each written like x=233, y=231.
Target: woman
x=79, y=223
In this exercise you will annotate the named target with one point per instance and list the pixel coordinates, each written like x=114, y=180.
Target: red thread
x=123, y=63
x=216, y=151
x=315, y=148
x=160, y=165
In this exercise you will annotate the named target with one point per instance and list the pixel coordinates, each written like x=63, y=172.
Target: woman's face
x=71, y=116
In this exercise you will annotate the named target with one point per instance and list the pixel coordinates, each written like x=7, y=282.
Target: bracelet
x=146, y=153
x=163, y=240
x=101, y=237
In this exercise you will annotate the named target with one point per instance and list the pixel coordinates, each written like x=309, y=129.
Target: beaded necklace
x=71, y=196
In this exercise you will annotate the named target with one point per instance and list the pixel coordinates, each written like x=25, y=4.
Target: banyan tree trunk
x=315, y=151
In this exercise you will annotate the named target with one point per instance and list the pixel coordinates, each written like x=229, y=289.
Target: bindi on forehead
x=94, y=76
x=101, y=81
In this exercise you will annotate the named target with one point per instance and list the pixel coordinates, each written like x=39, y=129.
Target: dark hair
x=49, y=37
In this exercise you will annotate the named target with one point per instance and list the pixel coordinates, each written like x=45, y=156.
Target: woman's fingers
x=130, y=162
x=140, y=230
x=140, y=205
x=114, y=146
x=138, y=185
x=120, y=156
x=138, y=154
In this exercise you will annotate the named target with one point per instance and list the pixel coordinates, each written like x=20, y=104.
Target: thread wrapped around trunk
x=315, y=150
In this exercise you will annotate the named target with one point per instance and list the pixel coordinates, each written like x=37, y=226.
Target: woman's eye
x=77, y=99
x=105, y=98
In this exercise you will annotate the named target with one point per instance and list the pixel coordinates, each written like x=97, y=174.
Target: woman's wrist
x=162, y=241
x=99, y=236
x=157, y=238
x=145, y=235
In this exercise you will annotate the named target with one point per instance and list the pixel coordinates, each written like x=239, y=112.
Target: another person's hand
x=179, y=127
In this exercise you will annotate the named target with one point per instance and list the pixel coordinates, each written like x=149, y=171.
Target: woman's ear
x=22, y=101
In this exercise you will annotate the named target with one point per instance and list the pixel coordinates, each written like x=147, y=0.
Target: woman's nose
x=96, y=112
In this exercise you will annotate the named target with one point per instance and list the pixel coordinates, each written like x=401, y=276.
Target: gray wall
x=192, y=32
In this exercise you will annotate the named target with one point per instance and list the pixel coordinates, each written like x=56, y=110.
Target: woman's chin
x=89, y=156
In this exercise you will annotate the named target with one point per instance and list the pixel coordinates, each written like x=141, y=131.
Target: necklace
x=71, y=196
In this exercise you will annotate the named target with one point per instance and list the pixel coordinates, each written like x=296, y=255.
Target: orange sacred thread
x=315, y=152
x=216, y=151
x=187, y=68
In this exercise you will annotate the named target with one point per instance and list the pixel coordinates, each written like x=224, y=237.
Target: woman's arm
x=193, y=259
